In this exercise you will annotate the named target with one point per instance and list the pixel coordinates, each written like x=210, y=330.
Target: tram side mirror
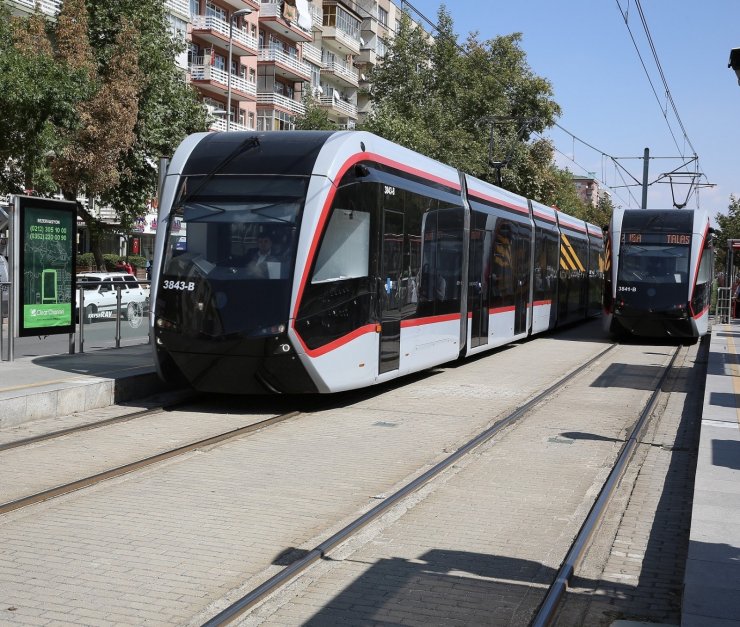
x=735, y=62
x=361, y=171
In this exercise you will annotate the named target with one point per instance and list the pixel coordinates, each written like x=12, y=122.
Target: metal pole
x=228, y=77
x=646, y=162
x=118, y=316
x=13, y=271
x=81, y=318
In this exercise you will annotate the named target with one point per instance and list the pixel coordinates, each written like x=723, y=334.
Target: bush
x=86, y=261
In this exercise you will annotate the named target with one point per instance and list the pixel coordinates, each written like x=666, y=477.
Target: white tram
x=327, y=261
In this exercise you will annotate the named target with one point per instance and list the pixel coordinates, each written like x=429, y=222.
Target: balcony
x=285, y=65
x=216, y=31
x=271, y=17
x=220, y=125
x=180, y=8
x=343, y=41
x=26, y=7
x=242, y=4
x=317, y=16
x=368, y=55
x=267, y=99
x=339, y=107
x=369, y=27
x=341, y=72
x=214, y=80
x=311, y=53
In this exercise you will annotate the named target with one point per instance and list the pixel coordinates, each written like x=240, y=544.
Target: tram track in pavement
x=553, y=594
x=296, y=506
x=130, y=467
x=287, y=575
x=556, y=591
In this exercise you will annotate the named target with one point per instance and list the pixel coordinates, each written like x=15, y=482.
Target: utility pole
x=646, y=161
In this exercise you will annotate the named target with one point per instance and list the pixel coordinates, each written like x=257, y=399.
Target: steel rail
x=137, y=465
x=284, y=576
x=93, y=425
x=547, y=609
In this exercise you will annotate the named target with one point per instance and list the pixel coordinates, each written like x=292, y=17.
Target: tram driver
x=262, y=262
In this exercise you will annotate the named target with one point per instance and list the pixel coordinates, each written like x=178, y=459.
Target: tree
x=729, y=228
x=38, y=94
x=167, y=108
x=100, y=106
x=315, y=118
x=441, y=98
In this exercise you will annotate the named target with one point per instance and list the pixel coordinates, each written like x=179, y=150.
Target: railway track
x=265, y=516
x=552, y=593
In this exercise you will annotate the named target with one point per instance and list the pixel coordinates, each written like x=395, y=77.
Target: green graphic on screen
x=48, y=271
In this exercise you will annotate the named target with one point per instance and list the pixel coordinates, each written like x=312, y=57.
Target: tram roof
x=286, y=152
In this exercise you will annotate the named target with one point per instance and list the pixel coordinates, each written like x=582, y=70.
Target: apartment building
x=588, y=189
x=259, y=63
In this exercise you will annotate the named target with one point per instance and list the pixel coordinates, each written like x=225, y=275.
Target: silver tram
x=306, y=261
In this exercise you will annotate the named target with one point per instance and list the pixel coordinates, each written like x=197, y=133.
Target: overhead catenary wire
x=407, y=7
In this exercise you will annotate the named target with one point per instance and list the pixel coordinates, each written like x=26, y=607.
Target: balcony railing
x=220, y=125
x=211, y=73
x=272, y=9
x=179, y=7
x=267, y=98
x=342, y=71
x=48, y=7
x=342, y=107
x=342, y=37
x=311, y=53
x=301, y=68
x=317, y=15
x=209, y=22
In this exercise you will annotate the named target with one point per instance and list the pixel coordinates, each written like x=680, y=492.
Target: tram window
x=345, y=248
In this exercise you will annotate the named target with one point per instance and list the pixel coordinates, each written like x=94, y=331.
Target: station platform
x=59, y=386
x=50, y=390
x=712, y=577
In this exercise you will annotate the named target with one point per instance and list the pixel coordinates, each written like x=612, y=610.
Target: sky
x=584, y=48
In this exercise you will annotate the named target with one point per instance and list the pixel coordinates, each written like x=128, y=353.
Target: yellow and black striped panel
x=568, y=258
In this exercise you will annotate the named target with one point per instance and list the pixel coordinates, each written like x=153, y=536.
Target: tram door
x=479, y=270
x=391, y=291
x=520, y=261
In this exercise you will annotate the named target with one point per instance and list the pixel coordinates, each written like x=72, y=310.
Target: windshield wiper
x=247, y=144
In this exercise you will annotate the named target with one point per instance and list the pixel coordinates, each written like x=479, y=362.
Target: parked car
x=99, y=299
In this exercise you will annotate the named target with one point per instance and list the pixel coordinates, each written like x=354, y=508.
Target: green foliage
x=729, y=228
x=315, y=118
x=455, y=103
x=38, y=96
x=86, y=261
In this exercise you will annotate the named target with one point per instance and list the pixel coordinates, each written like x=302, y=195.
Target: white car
x=100, y=298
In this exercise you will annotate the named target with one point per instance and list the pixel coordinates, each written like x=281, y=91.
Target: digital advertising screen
x=47, y=237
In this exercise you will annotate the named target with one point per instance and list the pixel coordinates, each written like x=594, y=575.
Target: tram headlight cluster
x=163, y=323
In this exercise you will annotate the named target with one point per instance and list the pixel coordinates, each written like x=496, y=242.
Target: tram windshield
x=653, y=264
x=232, y=239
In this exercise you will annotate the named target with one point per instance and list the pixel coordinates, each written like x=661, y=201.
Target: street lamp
x=234, y=15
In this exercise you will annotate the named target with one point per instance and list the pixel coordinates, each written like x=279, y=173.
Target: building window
x=215, y=11
x=195, y=56
x=330, y=15
x=194, y=7
x=380, y=47
x=252, y=75
x=315, y=75
x=250, y=117
x=347, y=23
x=382, y=16
x=219, y=62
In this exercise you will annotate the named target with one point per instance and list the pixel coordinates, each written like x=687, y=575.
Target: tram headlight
x=163, y=323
